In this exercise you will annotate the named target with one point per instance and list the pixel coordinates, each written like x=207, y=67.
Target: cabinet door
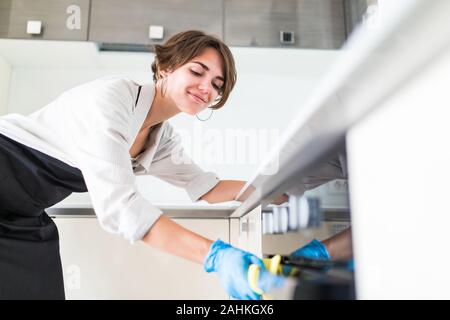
x=118, y=21
x=315, y=23
x=247, y=233
x=99, y=265
x=60, y=19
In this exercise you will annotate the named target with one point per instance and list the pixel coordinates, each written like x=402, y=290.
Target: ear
x=164, y=73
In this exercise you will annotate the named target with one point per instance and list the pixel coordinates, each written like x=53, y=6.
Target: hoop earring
x=163, y=87
x=210, y=115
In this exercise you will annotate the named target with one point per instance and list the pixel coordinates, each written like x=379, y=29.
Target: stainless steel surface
x=14, y=15
x=128, y=22
x=350, y=92
x=316, y=23
x=172, y=212
x=336, y=214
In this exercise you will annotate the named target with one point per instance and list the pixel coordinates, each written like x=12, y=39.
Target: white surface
x=197, y=205
x=399, y=172
x=98, y=265
x=272, y=85
x=5, y=75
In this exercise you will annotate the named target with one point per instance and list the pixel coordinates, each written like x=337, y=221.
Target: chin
x=191, y=109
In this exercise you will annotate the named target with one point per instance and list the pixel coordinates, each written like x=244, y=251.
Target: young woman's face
x=198, y=83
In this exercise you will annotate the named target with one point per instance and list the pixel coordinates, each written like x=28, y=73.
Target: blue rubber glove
x=314, y=250
x=269, y=281
x=317, y=250
x=231, y=264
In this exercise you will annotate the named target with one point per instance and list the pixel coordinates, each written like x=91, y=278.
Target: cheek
x=175, y=85
x=186, y=104
x=177, y=91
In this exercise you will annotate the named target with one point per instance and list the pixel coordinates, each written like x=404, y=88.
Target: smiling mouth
x=197, y=98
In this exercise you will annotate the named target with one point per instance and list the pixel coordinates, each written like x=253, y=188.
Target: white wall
x=272, y=86
x=399, y=163
x=5, y=75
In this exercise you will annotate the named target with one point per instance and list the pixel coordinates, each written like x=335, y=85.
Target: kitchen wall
x=272, y=86
x=5, y=74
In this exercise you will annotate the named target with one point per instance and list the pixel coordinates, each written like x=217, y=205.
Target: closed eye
x=198, y=74
x=216, y=87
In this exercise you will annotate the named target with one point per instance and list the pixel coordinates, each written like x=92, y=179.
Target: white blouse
x=92, y=127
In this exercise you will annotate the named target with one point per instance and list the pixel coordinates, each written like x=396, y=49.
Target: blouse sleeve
x=101, y=141
x=173, y=165
x=329, y=171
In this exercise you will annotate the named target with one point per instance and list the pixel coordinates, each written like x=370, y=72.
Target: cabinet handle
x=244, y=226
x=34, y=27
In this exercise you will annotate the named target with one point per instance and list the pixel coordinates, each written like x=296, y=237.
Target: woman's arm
x=170, y=237
x=231, y=264
x=339, y=246
x=227, y=190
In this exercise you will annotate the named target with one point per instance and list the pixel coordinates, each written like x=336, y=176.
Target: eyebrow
x=207, y=69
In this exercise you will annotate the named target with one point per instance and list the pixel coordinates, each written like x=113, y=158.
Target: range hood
x=124, y=47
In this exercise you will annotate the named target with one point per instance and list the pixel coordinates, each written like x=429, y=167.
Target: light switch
x=287, y=37
x=34, y=27
x=156, y=32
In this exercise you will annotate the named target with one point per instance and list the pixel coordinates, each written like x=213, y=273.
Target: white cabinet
x=400, y=206
x=99, y=265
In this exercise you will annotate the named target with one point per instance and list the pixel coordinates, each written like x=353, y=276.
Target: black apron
x=30, y=182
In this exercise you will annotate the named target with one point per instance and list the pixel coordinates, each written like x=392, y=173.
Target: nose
x=205, y=87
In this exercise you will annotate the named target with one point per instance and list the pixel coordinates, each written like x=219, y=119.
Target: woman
x=96, y=137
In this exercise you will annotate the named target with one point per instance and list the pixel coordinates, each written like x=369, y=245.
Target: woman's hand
x=232, y=264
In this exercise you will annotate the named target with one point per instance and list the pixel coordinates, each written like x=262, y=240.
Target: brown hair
x=184, y=46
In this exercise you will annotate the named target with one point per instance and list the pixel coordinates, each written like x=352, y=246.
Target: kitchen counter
x=179, y=211
x=188, y=211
